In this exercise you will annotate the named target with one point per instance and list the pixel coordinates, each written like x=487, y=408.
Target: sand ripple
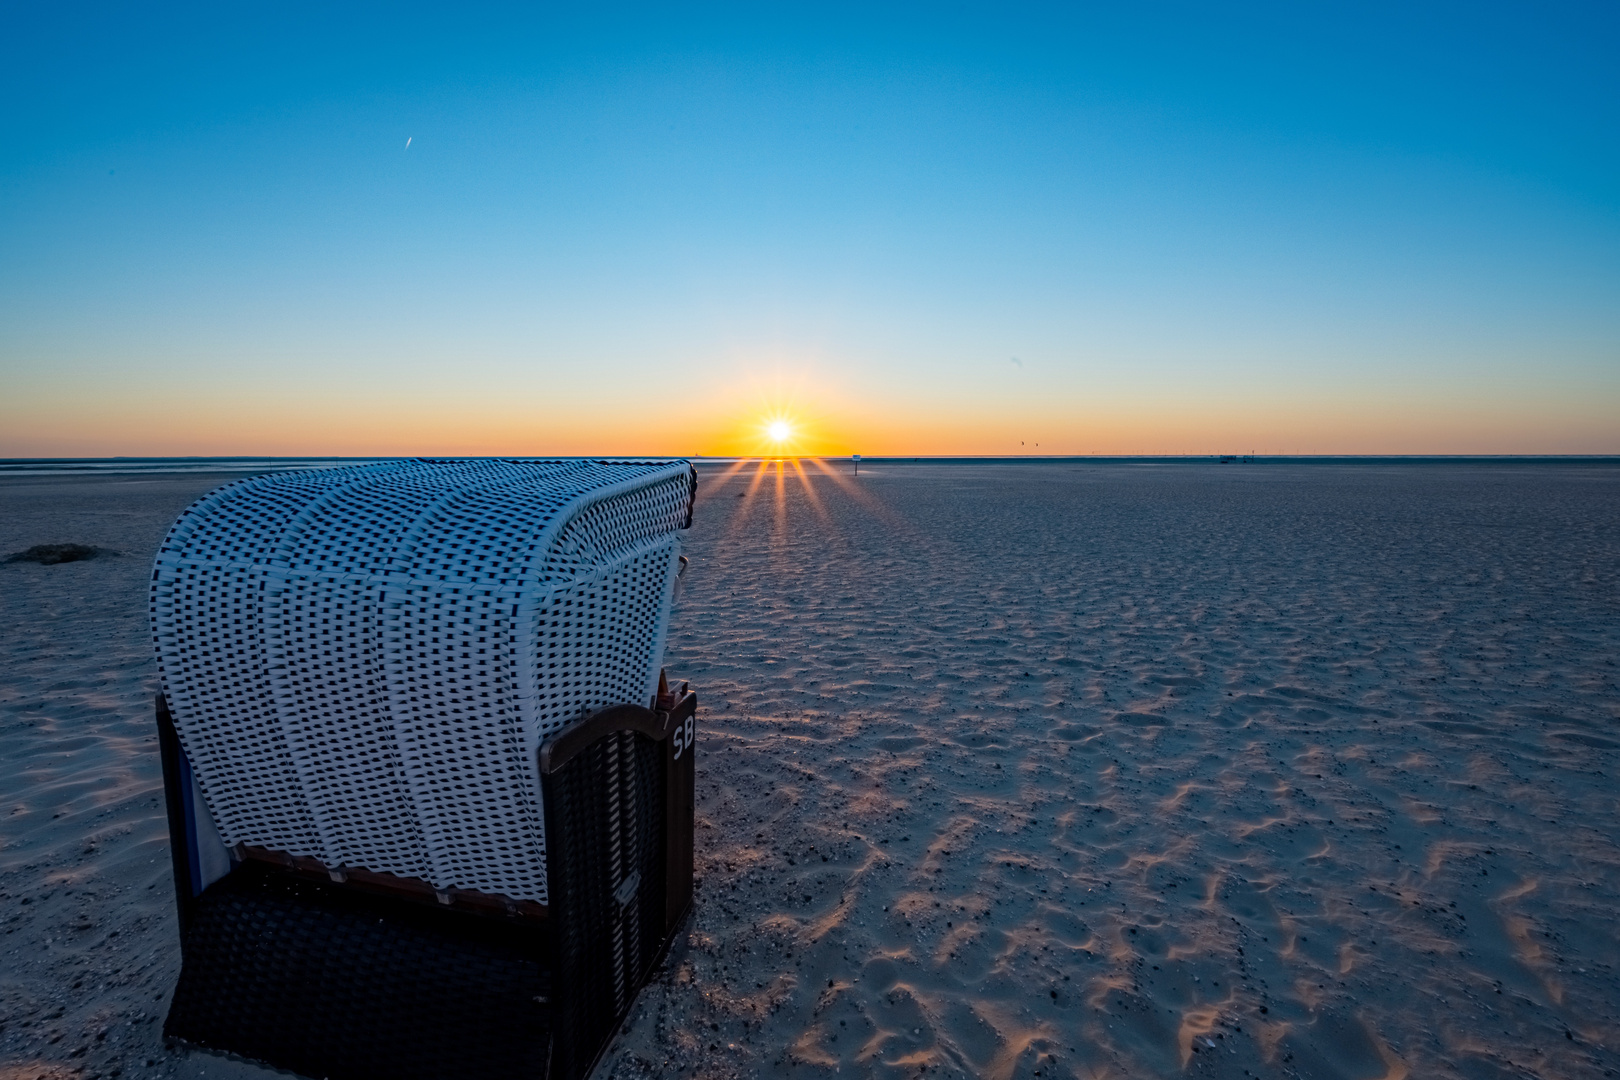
x=1126, y=772
x=1102, y=771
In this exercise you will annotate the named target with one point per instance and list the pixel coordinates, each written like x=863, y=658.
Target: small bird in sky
x=408, y=141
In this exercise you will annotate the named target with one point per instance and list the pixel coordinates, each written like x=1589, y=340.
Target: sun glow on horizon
x=756, y=415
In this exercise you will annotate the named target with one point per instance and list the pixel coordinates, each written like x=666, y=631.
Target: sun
x=774, y=429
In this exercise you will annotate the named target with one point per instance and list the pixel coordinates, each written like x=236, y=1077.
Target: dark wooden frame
x=672, y=728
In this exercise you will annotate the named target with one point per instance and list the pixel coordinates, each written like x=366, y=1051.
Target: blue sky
x=1175, y=229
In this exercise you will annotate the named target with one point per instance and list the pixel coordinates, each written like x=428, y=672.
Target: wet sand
x=1005, y=771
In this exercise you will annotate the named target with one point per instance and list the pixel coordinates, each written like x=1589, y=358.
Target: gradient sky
x=926, y=230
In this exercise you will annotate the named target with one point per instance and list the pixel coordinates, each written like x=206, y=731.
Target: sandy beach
x=1005, y=771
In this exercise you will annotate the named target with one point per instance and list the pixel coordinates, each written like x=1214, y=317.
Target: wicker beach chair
x=430, y=797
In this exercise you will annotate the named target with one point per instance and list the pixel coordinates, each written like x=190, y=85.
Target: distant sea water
x=123, y=466
x=135, y=465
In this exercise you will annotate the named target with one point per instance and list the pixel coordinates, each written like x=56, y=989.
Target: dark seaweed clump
x=51, y=554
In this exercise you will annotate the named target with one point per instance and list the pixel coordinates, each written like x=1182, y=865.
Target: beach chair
x=429, y=792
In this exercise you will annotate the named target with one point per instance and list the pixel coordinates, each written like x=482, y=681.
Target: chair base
x=329, y=982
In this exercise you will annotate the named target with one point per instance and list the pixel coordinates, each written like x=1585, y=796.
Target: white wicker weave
x=362, y=662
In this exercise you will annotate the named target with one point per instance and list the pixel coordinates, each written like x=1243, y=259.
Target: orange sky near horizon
x=734, y=423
